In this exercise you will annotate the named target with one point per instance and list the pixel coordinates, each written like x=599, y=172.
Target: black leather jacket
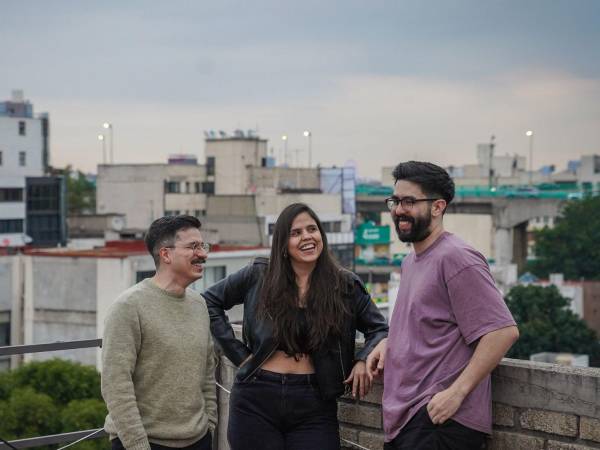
x=333, y=362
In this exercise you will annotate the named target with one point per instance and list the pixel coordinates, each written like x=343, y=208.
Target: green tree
x=62, y=380
x=48, y=397
x=27, y=413
x=547, y=325
x=81, y=193
x=85, y=415
x=571, y=247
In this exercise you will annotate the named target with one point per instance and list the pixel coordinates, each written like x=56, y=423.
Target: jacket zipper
x=261, y=363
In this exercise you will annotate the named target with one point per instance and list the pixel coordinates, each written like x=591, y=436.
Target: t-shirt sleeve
x=477, y=303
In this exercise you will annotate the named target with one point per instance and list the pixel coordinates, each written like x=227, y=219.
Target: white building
x=63, y=295
x=145, y=192
x=23, y=153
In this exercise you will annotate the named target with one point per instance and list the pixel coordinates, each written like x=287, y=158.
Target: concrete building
x=64, y=294
x=238, y=193
x=228, y=158
x=24, y=152
x=145, y=192
x=589, y=171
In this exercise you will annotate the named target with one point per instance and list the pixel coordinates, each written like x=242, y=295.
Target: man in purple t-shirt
x=449, y=329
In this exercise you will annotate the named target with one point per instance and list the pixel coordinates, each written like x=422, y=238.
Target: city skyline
x=374, y=83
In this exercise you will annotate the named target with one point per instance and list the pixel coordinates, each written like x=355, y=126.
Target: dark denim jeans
x=203, y=444
x=421, y=434
x=273, y=411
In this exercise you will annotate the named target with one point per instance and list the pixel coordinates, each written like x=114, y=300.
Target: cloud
x=374, y=120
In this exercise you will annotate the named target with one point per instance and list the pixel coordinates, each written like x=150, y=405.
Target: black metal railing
x=61, y=438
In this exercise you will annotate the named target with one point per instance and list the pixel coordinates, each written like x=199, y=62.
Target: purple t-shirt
x=446, y=302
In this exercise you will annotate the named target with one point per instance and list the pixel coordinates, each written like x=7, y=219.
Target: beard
x=418, y=231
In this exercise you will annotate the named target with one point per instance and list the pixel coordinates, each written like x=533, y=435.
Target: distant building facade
x=32, y=204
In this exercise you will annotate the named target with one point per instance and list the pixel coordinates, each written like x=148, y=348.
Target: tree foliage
x=547, y=325
x=81, y=192
x=571, y=247
x=49, y=397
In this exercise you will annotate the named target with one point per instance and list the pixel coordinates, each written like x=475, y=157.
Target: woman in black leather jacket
x=301, y=313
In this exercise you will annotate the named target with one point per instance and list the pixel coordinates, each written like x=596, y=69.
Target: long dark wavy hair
x=326, y=310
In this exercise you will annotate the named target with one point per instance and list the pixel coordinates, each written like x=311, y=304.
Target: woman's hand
x=361, y=384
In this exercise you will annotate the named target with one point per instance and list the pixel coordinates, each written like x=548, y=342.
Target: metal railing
x=72, y=437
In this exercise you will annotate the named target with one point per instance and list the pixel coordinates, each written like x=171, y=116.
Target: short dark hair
x=433, y=180
x=163, y=231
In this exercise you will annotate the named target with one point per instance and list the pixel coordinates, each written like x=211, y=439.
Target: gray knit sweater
x=158, y=368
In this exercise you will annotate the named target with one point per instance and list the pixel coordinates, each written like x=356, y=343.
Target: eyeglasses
x=406, y=202
x=204, y=246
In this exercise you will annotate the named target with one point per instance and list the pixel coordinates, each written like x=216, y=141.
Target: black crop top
x=301, y=334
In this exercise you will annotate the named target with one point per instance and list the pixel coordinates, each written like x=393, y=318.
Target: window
x=142, y=275
x=172, y=212
x=11, y=195
x=22, y=159
x=21, y=128
x=11, y=226
x=208, y=187
x=197, y=187
x=210, y=165
x=332, y=227
x=1, y=159
x=187, y=187
x=4, y=334
x=172, y=187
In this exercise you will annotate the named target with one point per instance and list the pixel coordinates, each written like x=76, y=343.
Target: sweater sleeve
x=120, y=346
x=209, y=387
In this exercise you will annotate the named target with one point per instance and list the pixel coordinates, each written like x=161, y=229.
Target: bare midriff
x=280, y=362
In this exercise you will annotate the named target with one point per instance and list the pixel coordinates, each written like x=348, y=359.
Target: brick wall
x=536, y=406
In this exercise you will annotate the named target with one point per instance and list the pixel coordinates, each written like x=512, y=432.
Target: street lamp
x=109, y=126
x=308, y=135
x=284, y=138
x=101, y=139
x=529, y=134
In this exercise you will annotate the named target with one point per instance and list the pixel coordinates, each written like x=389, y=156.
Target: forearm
x=209, y=389
x=489, y=352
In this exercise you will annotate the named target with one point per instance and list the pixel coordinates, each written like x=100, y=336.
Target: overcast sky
x=376, y=82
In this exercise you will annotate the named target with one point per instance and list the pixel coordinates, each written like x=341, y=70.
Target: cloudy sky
x=376, y=82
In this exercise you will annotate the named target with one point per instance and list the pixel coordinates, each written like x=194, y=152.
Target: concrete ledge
x=527, y=384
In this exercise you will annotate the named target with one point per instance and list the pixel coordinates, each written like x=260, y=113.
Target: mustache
x=405, y=218
x=198, y=260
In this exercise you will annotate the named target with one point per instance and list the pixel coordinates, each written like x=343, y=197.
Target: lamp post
x=308, y=135
x=284, y=138
x=529, y=134
x=101, y=139
x=109, y=126
x=491, y=162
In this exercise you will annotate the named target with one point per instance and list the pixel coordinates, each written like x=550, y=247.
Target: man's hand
x=444, y=405
x=361, y=384
x=376, y=360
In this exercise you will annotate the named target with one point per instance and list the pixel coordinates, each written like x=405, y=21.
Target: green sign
x=367, y=234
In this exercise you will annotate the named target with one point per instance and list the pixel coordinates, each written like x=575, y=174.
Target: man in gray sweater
x=158, y=361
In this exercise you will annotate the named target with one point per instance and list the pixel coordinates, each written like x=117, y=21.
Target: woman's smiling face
x=305, y=242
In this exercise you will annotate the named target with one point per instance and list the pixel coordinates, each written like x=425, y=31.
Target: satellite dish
x=222, y=134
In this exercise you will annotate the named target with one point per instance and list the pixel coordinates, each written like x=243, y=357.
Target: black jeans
x=203, y=444
x=274, y=411
x=421, y=434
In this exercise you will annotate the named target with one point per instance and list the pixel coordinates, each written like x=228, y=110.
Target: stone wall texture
x=535, y=406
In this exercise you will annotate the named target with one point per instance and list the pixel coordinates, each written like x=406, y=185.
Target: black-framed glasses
x=406, y=202
x=194, y=247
